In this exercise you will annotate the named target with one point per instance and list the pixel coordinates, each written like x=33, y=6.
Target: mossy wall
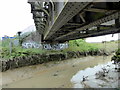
x=43, y=58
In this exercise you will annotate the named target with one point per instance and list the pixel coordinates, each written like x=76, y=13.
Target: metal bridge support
x=64, y=21
x=117, y=22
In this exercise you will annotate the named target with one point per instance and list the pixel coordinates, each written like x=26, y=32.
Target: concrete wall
x=34, y=41
x=59, y=46
x=35, y=36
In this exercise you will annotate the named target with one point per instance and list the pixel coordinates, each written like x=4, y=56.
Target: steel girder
x=94, y=23
x=70, y=10
x=39, y=13
x=93, y=33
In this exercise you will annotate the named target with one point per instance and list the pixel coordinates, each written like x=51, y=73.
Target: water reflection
x=95, y=78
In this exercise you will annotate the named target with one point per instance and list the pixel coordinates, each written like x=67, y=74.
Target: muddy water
x=55, y=74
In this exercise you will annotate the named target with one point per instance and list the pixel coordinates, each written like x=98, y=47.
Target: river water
x=56, y=74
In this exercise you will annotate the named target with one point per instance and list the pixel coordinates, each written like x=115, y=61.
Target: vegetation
x=19, y=51
x=0, y=44
x=16, y=51
x=81, y=45
x=116, y=57
x=74, y=45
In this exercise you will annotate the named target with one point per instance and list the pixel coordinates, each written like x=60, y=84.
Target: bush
x=81, y=45
x=116, y=57
x=18, y=52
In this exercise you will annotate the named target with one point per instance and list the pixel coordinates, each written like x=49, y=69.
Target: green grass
x=74, y=45
x=81, y=45
x=77, y=45
x=18, y=51
x=108, y=46
x=0, y=44
x=116, y=57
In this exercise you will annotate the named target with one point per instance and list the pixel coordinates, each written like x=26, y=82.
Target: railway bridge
x=64, y=20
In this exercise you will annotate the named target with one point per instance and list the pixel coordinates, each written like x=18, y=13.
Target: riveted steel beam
x=70, y=10
x=114, y=15
x=41, y=23
x=93, y=33
x=76, y=24
x=96, y=10
x=40, y=30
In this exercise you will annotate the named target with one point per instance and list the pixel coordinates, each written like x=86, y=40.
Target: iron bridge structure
x=63, y=20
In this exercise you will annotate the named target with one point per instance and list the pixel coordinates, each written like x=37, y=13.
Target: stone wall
x=43, y=58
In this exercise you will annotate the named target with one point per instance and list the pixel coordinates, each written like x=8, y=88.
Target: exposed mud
x=55, y=74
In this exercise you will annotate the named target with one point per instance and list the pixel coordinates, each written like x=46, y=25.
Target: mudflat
x=56, y=74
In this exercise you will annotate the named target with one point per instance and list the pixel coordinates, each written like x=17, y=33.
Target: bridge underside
x=64, y=21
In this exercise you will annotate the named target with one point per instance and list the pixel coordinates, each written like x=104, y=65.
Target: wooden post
x=19, y=38
x=10, y=46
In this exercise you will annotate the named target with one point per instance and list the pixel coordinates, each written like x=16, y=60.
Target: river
x=56, y=74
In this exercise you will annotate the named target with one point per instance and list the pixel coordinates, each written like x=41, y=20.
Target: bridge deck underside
x=80, y=20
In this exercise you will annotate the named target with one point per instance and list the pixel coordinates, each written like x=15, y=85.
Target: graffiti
x=31, y=45
x=55, y=46
x=45, y=46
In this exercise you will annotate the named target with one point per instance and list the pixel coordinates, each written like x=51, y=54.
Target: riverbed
x=56, y=74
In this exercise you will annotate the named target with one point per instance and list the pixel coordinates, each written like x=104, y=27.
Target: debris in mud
x=73, y=65
x=85, y=78
x=56, y=74
x=57, y=71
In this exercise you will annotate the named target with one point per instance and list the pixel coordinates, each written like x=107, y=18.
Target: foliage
x=0, y=44
x=74, y=45
x=5, y=43
x=18, y=51
x=81, y=45
x=116, y=57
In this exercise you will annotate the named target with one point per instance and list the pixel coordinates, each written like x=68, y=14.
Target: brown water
x=55, y=74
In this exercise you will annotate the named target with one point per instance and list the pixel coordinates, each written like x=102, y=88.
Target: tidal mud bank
x=43, y=58
x=54, y=74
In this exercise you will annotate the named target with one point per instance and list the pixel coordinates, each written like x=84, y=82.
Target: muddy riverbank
x=44, y=58
x=55, y=74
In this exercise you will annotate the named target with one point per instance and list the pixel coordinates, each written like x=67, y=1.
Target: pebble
x=73, y=65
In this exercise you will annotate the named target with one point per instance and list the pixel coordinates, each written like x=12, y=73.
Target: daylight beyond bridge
x=64, y=21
